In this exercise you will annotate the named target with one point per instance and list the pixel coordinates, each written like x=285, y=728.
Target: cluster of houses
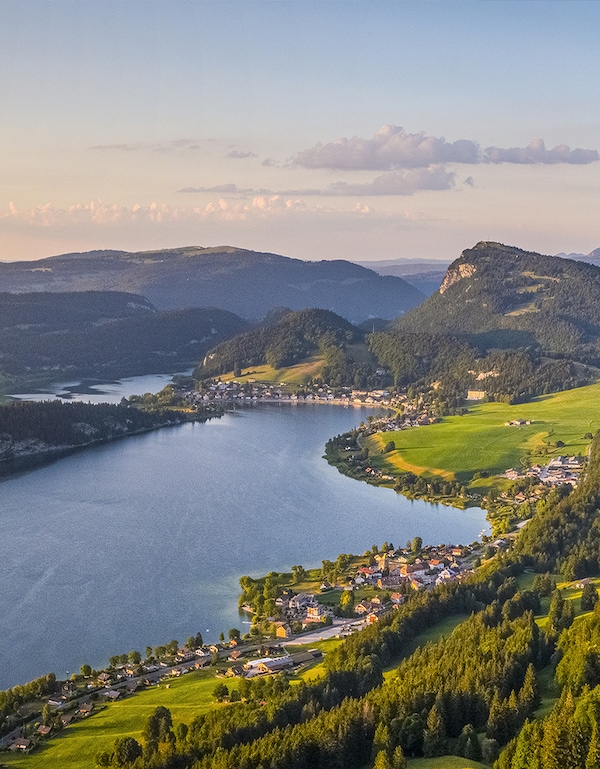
x=394, y=572
x=558, y=471
x=252, y=391
x=26, y=744
x=435, y=565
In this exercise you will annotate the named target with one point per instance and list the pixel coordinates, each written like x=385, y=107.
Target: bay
x=143, y=540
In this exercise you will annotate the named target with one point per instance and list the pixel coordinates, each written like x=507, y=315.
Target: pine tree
x=593, y=757
x=434, y=737
x=529, y=698
x=528, y=747
x=382, y=761
x=399, y=761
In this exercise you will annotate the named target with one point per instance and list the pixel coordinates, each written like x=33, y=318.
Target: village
x=560, y=470
x=252, y=391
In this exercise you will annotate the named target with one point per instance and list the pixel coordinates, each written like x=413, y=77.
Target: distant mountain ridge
x=502, y=296
x=592, y=258
x=247, y=283
x=424, y=274
x=49, y=336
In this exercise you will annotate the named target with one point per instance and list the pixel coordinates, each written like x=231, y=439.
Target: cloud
x=391, y=183
x=118, y=147
x=469, y=181
x=225, y=189
x=239, y=155
x=100, y=213
x=536, y=152
x=393, y=148
x=170, y=146
x=398, y=183
x=270, y=163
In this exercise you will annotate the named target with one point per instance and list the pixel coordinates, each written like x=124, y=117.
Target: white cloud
x=391, y=147
x=394, y=148
x=536, y=152
x=239, y=155
x=391, y=183
x=100, y=213
x=398, y=183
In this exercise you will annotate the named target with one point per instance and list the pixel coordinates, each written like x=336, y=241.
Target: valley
x=461, y=407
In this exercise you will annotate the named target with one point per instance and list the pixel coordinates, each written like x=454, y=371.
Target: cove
x=140, y=541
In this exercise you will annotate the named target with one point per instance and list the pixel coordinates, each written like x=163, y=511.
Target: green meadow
x=78, y=744
x=459, y=446
x=299, y=374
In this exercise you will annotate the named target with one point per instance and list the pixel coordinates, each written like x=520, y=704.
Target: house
x=302, y=658
x=66, y=719
x=235, y=671
x=475, y=395
x=86, y=708
x=315, y=613
x=274, y=665
x=44, y=730
x=283, y=630
x=20, y=743
x=112, y=694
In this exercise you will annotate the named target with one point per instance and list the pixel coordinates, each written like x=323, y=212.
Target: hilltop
x=247, y=283
x=501, y=296
x=290, y=339
x=96, y=334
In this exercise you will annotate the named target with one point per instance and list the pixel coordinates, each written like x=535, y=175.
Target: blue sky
x=137, y=124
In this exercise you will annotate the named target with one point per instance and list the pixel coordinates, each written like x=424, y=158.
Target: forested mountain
x=69, y=310
x=47, y=336
x=289, y=340
x=501, y=296
x=244, y=282
x=32, y=429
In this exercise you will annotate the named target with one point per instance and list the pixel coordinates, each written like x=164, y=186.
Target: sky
x=362, y=130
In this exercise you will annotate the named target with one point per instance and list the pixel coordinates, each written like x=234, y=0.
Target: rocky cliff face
x=455, y=273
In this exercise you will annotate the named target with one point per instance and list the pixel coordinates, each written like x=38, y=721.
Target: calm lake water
x=143, y=540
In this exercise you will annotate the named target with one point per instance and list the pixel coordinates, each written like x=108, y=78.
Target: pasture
x=460, y=446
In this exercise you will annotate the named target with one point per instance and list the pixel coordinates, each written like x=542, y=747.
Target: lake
x=101, y=392
x=143, y=540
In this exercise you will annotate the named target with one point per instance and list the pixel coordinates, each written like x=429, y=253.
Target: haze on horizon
x=320, y=130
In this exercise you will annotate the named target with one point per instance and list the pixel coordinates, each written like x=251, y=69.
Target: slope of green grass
x=459, y=446
x=444, y=762
x=77, y=745
x=299, y=374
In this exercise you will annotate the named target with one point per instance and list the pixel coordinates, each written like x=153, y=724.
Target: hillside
x=289, y=340
x=46, y=337
x=505, y=297
x=247, y=283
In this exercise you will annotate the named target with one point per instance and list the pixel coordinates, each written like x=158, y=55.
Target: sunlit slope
x=459, y=446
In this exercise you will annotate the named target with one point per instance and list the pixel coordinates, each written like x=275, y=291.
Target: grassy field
x=459, y=446
x=444, y=762
x=299, y=374
x=76, y=747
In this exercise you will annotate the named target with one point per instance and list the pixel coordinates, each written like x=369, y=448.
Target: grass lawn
x=459, y=446
x=76, y=747
x=444, y=762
